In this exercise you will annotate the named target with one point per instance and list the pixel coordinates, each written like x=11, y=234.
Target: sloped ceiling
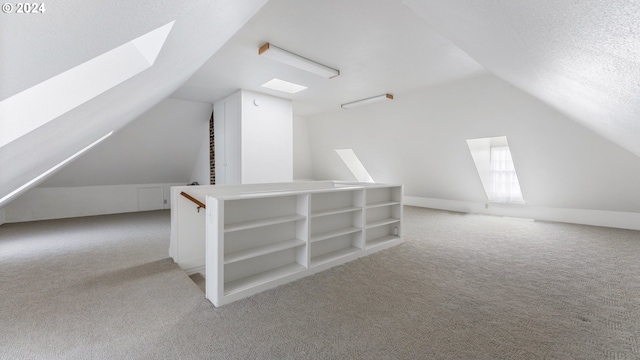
x=379, y=46
x=160, y=145
x=580, y=57
x=36, y=47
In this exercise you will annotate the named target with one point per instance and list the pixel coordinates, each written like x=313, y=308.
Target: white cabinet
x=256, y=241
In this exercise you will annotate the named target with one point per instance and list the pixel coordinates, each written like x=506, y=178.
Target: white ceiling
x=36, y=47
x=580, y=57
x=379, y=46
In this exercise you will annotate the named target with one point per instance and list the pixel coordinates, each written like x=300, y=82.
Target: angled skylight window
x=285, y=86
x=494, y=163
x=72, y=88
x=355, y=166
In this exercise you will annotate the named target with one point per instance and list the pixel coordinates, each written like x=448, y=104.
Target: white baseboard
x=614, y=219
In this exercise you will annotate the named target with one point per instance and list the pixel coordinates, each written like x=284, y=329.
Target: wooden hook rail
x=196, y=201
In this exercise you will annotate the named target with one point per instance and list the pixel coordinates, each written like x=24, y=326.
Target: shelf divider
x=261, y=278
x=334, y=211
x=383, y=203
x=381, y=240
x=261, y=250
x=334, y=233
x=325, y=258
x=244, y=225
x=382, y=222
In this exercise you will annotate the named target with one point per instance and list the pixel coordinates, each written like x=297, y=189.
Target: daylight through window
x=494, y=163
x=504, y=179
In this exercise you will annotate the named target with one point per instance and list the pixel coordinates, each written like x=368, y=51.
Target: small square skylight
x=281, y=85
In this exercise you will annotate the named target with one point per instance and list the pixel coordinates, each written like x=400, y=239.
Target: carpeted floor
x=460, y=287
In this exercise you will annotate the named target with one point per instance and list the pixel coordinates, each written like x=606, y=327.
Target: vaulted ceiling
x=579, y=57
x=582, y=58
x=379, y=46
x=38, y=47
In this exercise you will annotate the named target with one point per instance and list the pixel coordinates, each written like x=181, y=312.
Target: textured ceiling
x=36, y=47
x=580, y=57
x=379, y=46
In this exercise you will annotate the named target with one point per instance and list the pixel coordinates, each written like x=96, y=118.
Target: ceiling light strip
x=367, y=101
x=273, y=52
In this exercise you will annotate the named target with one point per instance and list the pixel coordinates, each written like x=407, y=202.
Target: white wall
x=419, y=140
x=301, y=161
x=227, y=128
x=158, y=148
x=267, y=138
x=201, y=171
x=64, y=202
x=302, y=165
x=253, y=138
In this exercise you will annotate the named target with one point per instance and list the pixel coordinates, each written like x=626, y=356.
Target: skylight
x=285, y=86
x=39, y=104
x=355, y=165
x=494, y=163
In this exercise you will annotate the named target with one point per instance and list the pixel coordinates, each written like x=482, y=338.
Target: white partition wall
x=253, y=139
x=262, y=236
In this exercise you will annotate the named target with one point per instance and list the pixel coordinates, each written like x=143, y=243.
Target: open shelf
x=334, y=211
x=334, y=233
x=244, y=225
x=325, y=258
x=261, y=250
x=383, y=203
x=381, y=240
x=256, y=240
x=382, y=222
x=261, y=278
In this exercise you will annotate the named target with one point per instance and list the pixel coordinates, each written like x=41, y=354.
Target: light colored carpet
x=461, y=287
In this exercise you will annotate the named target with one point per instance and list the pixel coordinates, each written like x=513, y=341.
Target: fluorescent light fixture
x=64, y=162
x=285, y=86
x=289, y=58
x=367, y=101
x=41, y=103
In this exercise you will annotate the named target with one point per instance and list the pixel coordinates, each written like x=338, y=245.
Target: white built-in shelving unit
x=336, y=225
x=261, y=239
x=383, y=215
